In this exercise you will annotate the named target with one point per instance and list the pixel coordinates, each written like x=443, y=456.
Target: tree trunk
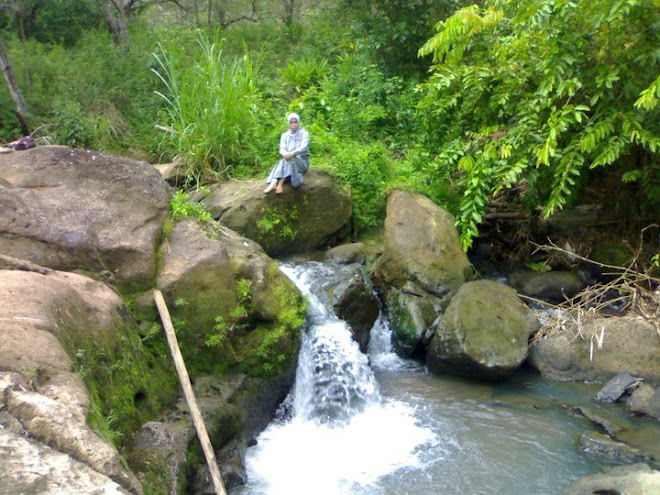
x=115, y=18
x=16, y=94
x=288, y=12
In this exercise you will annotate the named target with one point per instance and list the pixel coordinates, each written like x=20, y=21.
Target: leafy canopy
x=542, y=91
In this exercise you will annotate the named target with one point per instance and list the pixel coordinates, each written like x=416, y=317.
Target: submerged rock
x=609, y=450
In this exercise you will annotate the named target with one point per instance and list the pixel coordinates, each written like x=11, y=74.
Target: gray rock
x=638, y=479
x=358, y=306
x=72, y=210
x=313, y=216
x=42, y=397
x=55, y=425
x=483, y=333
x=608, y=450
x=629, y=344
x=421, y=246
x=413, y=314
x=555, y=286
x=616, y=387
x=356, y=252
x=421, y=267
x=196, y=272
x=645, y=400
x=32, y=468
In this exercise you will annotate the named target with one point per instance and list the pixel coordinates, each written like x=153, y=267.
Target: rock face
x=201, y=278
x=196, y=278
x=313, y=216
x=483, y=333
x=32, y=468
x=421, y=267
x=628, y=344
x=81, y=210
x=45, y=404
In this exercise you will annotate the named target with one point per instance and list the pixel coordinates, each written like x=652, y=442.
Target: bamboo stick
x=189, y=394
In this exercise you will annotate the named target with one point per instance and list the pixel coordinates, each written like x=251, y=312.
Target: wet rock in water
x=347, y=289
x=421, y=268
x=638, y=479
x=356, y=252
x=358, y=306
x=617, y=387
x=609, y=450
x=645, y=400
x=483, y=333
x=598, y=420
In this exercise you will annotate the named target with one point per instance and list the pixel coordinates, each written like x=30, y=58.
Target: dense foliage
x=539, y=95
x=544, y=91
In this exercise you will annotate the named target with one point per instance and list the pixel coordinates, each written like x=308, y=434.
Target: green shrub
x=212, y=106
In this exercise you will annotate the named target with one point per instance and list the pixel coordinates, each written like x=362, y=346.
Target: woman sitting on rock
x=294, y=149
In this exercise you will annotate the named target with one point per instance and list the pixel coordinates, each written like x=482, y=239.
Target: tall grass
x=212, y=105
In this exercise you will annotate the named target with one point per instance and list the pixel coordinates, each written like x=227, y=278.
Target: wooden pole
x=189, y=394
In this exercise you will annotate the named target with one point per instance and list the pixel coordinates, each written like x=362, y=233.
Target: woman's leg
x=270, y=186
x=278, y=189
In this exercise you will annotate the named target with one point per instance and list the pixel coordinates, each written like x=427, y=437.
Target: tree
x=541, y=92
x=288, y=12
x=15, y=91
x=394, y=29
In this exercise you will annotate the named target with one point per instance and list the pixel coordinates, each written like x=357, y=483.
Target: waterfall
x=339, y=435
x=333, y=381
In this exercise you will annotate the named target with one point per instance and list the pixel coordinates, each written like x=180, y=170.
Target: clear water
x=383, y=425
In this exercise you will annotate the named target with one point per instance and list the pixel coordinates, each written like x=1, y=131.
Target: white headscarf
x=292, y=116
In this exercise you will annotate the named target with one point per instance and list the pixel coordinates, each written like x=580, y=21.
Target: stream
x=378, y=424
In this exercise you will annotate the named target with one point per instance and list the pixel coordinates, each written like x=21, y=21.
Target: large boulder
x=220, y=284
x=421, y=246
x=42, y=316
x=196, y=278
x=223, y=288
x=313, y=216
x=421, y=267
x=72, y=210
x=600, y=349
x=483, y=333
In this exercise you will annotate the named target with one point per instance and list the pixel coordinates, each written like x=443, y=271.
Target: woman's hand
x=288, y=155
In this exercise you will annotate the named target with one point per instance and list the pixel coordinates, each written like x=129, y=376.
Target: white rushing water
x=342, y=435
x=380, y=425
